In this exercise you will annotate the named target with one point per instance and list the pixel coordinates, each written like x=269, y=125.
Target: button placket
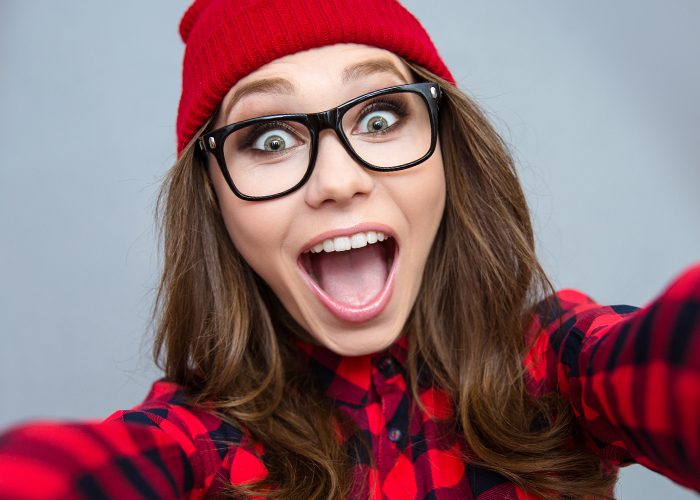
x=390, y=384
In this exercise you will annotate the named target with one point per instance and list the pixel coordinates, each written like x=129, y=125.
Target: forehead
x=329, y=61
x=323, y=74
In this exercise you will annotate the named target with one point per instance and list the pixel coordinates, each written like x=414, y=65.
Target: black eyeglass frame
x=212, y=142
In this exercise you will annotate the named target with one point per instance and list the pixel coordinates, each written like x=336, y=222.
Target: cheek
x=245, y=227
x=257, y=229
x=435, y=189
x=422, y=194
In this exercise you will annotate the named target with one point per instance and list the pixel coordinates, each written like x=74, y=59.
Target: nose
x=337, y=177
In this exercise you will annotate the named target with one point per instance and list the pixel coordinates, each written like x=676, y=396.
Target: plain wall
x=597, y=100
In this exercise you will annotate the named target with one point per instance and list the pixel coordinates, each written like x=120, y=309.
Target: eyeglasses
x=386, y=130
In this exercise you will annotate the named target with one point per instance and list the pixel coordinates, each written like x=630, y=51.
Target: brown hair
x=223, y=335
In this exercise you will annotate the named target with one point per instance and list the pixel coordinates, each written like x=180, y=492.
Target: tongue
x=352, y=277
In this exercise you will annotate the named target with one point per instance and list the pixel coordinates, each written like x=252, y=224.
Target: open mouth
x=352, y=275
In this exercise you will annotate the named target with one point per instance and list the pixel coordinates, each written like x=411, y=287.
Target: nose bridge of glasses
x=334, y=180
x=329, y=119
x=324, y=119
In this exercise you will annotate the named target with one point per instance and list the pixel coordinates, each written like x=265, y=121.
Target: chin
x=358, y=340
x=356, y=346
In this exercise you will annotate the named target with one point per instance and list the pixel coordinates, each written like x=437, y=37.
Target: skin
x=271, y=234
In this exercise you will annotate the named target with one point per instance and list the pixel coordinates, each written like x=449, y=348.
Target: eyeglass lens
x=386, y=131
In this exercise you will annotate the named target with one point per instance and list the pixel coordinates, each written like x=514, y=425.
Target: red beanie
x=228, y=39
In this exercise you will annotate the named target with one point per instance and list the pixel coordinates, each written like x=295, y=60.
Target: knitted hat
x=228, y=39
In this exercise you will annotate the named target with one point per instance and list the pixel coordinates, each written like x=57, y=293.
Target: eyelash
x=395, y=105
x=255, y=131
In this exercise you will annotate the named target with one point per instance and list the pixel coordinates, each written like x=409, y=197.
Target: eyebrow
x=282, y=86
x=366, y=68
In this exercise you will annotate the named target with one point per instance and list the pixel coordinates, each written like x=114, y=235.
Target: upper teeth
x=343, y=243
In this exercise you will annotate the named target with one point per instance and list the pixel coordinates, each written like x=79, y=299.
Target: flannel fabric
x=632, y=377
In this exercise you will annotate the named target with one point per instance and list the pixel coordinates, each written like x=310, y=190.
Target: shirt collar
x=348, y=379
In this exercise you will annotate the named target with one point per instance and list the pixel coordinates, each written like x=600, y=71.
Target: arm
x=632, y=376
x=156, y=450
x=93, y=460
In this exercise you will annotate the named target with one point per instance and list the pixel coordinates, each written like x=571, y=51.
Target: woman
x=351, y=305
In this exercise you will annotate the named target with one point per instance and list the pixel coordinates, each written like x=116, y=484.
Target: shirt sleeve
x=631, y=375
x=94, y=460
x=156, y=450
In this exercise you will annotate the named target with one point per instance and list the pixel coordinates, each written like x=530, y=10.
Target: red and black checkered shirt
x=632, y=377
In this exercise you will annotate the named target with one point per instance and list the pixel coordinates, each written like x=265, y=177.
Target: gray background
x=598, y=101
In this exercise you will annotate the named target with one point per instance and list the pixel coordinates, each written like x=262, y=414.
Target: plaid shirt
x=632, y=377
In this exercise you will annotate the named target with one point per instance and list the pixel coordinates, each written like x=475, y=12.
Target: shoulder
x=571, y=309
x=569, y=330
x=165, y=407
x=571, y=312
x=559, y=327
x=210, y=443
x=161, y=448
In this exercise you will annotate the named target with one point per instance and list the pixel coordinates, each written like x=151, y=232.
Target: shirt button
x=394, y=435
x=386, y=364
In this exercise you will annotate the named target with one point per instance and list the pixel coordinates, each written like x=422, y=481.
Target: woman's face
x=357, y=301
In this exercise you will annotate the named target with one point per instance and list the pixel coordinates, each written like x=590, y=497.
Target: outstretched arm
x=632, y=376
x=93, y=460
x=156, y=450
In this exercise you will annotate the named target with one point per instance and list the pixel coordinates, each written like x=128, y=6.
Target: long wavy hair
x=222, y=334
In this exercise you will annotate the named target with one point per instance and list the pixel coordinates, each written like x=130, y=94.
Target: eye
x=379, y=116
x=376, y=121
x=275, y=140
